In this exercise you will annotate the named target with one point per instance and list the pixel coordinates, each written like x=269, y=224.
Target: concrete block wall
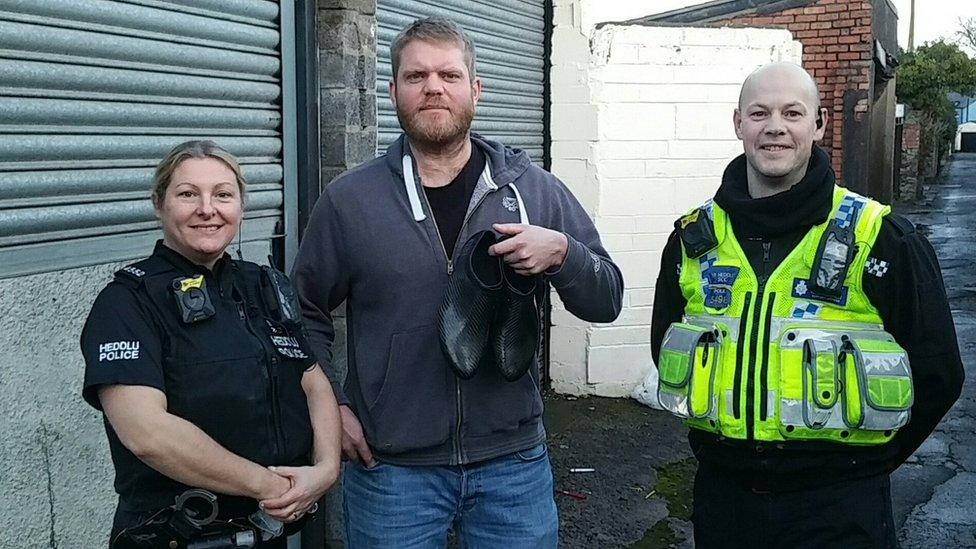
x=641, y=132
x=55, y=472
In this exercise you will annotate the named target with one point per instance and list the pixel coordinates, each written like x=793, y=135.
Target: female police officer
x=200, y=366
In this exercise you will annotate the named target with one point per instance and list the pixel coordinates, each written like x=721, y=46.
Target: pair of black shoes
x=488, y=305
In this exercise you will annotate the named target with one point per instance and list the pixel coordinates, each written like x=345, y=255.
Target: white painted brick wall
x=641, y=132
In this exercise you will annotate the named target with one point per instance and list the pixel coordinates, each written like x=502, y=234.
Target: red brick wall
x=837, y=48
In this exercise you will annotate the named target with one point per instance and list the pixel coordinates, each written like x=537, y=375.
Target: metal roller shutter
x=509, y=37
x=94, y=92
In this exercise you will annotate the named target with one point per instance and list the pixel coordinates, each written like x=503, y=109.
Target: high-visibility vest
x=801, y=356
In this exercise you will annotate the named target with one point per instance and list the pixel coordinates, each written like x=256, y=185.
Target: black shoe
x=469, y=304
x=515, y=332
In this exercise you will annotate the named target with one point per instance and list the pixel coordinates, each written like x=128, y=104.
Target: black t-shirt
x=236, y=374
x=450, y=202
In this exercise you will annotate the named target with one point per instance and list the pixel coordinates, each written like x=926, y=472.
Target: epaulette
x=135, y=273
x=900, y=223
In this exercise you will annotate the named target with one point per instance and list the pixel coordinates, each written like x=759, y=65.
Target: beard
x=437, y=132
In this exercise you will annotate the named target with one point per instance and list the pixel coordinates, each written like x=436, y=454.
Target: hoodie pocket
x=412, y=409
x=493, y=405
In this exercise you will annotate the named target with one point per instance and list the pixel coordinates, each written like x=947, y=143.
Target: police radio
x=835, y=253
x=192, y=298
x=280, y=297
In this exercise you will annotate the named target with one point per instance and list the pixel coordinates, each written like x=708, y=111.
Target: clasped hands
x=299, y=490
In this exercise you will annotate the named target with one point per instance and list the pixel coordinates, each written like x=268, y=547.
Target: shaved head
x=778, y=120
x=783, y=74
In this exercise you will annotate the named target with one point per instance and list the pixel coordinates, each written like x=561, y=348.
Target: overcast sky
x=933, y=18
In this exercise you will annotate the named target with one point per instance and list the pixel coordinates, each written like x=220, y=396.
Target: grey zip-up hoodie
x=371, y=242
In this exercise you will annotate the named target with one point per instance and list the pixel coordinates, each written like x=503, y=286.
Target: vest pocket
x=820, y=384
x=687, y=367
x=847, y=386
x=879, y=369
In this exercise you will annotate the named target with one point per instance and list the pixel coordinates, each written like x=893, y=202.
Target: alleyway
x=632, y=484
x=935, y=493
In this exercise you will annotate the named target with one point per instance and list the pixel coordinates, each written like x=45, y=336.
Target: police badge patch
x=802, y=290
x=718, y=297
x=724, y=276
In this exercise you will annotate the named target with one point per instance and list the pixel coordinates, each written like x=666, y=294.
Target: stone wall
x=347, y=84
x=347, y=80
x=908, y=187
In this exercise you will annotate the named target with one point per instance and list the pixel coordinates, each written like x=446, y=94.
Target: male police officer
x=427, y=448
x=803, y=332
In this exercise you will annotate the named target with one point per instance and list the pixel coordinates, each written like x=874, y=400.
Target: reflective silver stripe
x=794, y=413
x=676, y=403
x=728, y=326
x=820, y=330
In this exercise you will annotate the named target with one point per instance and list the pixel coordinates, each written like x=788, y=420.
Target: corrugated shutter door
x=94, y=92
x=509, y=39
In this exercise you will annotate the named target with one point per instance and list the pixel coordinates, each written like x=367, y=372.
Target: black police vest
x=236, y=374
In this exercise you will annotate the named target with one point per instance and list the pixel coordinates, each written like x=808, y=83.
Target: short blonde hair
x=192, y=149
x=433, y=29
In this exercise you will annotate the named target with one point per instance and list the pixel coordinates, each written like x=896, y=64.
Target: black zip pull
x=766, y=246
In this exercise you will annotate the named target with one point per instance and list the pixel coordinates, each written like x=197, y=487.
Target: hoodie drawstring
x=411, y=185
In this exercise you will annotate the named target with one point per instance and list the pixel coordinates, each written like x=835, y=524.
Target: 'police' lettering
x=292, y=353
x=283, y=341
x=118, y=350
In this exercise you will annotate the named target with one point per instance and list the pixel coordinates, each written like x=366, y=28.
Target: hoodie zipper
x=458, y=454
x=440, y=239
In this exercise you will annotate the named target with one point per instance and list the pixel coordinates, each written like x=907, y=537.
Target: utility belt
x=191, y=523
x=835, y=383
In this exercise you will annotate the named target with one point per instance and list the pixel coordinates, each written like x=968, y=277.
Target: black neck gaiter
x=802, y=206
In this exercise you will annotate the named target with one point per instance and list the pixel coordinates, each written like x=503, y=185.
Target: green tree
x=926, y=77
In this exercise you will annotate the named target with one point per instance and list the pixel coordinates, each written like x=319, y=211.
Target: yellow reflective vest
x=801, y=356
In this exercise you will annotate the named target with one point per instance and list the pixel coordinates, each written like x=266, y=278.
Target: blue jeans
x=503, y=502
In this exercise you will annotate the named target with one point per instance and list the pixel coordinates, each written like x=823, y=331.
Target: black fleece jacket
x=909, y=296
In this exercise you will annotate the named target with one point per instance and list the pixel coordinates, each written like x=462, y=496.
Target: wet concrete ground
x=633, y=488
x=934, y=494
x=639, y=491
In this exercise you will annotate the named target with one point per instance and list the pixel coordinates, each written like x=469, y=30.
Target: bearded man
x=430, y=450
